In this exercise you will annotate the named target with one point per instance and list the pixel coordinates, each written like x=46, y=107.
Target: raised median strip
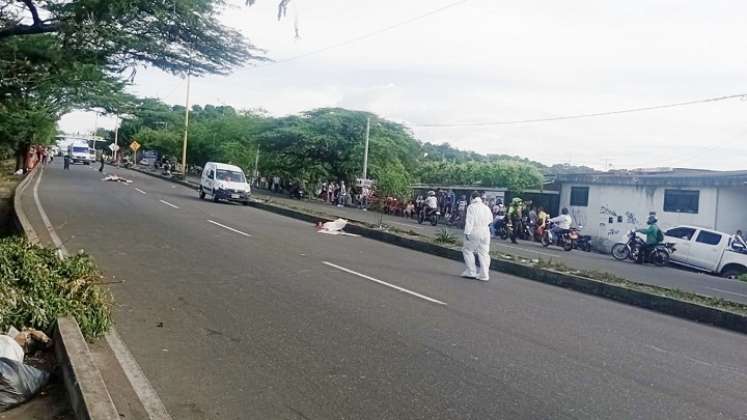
x=694, y=307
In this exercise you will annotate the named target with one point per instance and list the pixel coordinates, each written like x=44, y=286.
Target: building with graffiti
x=609, y=204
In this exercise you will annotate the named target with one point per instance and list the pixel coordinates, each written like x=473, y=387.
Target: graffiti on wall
x=631, y=218
x=604, y=210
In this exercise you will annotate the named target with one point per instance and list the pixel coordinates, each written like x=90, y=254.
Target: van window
x=708, y=238
x=681, y=233
x=230, y=176
x=80, y=150
x=211, y=174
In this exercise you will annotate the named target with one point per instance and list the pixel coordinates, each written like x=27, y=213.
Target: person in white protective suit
x=477, y=238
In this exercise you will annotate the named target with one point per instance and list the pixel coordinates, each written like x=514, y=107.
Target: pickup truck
x=707, y=250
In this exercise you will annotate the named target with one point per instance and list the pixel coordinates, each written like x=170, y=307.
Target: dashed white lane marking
x=383, y=283
x=168, y=204
x=140, y=384
x=140, y=191
x=726, y=291
x=230, y=228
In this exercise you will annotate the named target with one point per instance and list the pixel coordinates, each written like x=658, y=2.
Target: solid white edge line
x=145, y=392
x=140, y=191
x=168, y=204
x=383, y=283
x=45, y=219
x=140, y=384
x=231, y=229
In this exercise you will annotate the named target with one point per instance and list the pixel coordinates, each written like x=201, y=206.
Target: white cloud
x=487, y=61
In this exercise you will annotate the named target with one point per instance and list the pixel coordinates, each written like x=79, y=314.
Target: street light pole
x=186, y=127
x=365, y=152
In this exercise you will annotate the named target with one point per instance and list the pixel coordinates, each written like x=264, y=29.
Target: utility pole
x=116, y=139
x=186, y=127
x=365, y=152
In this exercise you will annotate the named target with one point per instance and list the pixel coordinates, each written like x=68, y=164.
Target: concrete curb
x=19, y=217
x=662, y=304
x=84, y=384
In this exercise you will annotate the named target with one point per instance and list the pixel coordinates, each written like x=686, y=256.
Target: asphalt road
x=263, y=318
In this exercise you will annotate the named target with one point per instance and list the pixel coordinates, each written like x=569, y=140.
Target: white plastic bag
x=10, y=349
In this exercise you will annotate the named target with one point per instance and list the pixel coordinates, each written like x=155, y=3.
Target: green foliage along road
x=323, y=144
x=60, y=55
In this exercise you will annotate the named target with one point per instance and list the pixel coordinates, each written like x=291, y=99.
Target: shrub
x=36, y=287
x=742, y=277
x=445, y=237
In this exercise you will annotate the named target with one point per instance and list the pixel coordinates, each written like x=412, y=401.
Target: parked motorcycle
x=500, y=226
x=631, y=249
x=566, y=239
x=427, y=213
x=583, y=242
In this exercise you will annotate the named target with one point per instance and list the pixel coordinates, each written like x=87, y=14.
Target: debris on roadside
x=19, y=381
x=334, y=227
x=115, y=178
x=9, y=349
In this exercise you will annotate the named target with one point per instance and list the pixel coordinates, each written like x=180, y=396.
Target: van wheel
x=202, y=194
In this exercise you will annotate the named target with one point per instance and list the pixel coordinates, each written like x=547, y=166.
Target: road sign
x=113, y=147
x=134, y=146
x=360, y=182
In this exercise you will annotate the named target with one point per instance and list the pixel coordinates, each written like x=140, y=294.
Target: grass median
x=37, y=286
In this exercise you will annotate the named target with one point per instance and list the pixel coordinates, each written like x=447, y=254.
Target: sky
x=489, y=60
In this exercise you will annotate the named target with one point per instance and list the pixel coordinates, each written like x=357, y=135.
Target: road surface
x=236, y=313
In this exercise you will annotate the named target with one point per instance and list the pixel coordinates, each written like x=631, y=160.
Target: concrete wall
x=629, y=207
x=732, y=209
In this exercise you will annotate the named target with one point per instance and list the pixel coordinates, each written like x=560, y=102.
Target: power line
x=590, y=115
x=367, y=35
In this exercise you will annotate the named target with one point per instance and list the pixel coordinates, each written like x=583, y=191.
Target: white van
x=707, y=250
x=79, y=152
x=224, y=182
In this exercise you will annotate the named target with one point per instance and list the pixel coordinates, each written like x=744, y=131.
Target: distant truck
x=80, y=152
x=707, y=250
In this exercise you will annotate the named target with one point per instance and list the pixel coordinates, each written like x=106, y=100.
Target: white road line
x=168, y=204
x=231, y=229
x=145, y=392
x=140, y=191
x=45, y=219
x=401, y=289
x=140, y=384
x=726, y=291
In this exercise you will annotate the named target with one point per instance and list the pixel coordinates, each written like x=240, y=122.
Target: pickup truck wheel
x=732, y=273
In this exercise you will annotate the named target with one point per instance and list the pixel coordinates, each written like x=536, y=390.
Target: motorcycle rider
x=477, y=238
x=430, y=204
x=654, y=237
x=515, y=215
x=562, y=223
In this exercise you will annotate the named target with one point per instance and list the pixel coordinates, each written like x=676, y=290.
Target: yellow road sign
x=134, y=146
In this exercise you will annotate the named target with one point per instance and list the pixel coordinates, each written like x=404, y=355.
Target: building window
x=579, y=196
x=681, y=201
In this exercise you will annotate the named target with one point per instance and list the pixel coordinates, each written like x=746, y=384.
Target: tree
x=176, y=36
